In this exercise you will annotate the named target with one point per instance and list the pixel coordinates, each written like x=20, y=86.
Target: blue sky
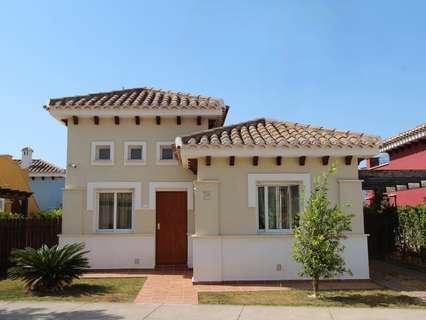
x=357, y=65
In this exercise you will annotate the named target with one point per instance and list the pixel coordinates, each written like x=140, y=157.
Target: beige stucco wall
x=79, y=220
x=235, y=217
x=221, y=195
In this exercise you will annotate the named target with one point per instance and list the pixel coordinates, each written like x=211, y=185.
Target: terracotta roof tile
x=272, y=132
x=40, y=166
x=404, y=137
x=137, y=98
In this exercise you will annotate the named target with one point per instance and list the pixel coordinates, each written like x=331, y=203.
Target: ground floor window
x=115, y=211
x=2, y=204
x=278, y=206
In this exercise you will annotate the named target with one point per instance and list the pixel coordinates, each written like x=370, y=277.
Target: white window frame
x=130, y=162
x=254, y=179
x=115, y=191
x=276, y=184
x=2, y=204
x=92, y=187
x=171, y=162
x=95, y=162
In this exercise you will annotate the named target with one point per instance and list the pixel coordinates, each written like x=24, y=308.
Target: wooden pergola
x=380, y=179
x=16, y=195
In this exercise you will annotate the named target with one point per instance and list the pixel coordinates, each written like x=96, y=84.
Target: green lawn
x=93, y=290
x=329, y=298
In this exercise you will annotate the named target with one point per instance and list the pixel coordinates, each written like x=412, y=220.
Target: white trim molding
x=102, y=162
x=93, y=186
x=114, y=229
x=255, y=178
x=171, y=186
x=130, y=162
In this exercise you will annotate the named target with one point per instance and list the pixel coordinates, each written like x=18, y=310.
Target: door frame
x=155, y=211
x=187, y=186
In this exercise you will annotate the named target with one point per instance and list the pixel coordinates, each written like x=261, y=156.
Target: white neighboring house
x=154, y=178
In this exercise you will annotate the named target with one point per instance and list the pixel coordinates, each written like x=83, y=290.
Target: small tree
x=319, y=233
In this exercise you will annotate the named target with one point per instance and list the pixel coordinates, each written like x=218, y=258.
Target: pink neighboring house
x=407, y=151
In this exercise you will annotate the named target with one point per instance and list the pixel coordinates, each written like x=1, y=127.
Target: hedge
x=47, y=214
x=411, y=235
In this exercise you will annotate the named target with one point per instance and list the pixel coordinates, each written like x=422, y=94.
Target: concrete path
x=23, y=310
x=409, y=282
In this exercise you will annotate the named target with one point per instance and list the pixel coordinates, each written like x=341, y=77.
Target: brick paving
x=168, y=287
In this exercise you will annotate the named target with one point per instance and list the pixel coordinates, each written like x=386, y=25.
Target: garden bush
x=52, y=213
x=411, y=238
x=47, y=214
x=10, y=216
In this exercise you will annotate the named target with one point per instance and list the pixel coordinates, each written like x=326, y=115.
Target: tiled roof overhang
x=41, y=167
x=138, y=101
x=403, y=138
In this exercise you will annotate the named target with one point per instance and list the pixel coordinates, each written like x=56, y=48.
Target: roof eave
x=46, y=174
x=60, y=114
x=195, y=151
x=388, y=146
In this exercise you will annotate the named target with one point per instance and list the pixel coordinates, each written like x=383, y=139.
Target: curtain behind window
x=124, y=210
x=106, y=211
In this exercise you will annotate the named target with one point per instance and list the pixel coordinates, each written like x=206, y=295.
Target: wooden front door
x=171, y=235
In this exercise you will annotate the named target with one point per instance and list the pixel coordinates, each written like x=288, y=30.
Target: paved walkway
x=23, y=310
x=176, y=287
x=408, y=281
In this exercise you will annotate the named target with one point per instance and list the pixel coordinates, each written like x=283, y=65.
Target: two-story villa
x=154, y=178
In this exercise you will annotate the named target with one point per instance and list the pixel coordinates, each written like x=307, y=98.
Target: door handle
x=158, y=226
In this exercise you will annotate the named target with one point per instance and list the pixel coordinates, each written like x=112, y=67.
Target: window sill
x=277, y=232
x=111, y=231
x=167, y=163
x=135, y=163
x=102, y=163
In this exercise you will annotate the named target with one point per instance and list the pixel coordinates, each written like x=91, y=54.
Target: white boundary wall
x=116, y=251
x=263, y=257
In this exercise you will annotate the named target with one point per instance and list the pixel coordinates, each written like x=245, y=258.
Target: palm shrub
x=48, y=269
x=318, y=235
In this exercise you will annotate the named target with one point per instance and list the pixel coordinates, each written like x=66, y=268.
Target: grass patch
x=92, y=290
x=329, y=298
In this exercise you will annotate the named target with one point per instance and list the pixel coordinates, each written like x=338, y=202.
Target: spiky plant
x=48, y=269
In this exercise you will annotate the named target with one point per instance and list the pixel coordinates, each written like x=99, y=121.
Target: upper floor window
x=102, y=153
x=135, y=153
x=278, y=206
x=165, y=153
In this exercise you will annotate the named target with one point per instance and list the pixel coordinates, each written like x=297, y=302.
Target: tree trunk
x=315, y=285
